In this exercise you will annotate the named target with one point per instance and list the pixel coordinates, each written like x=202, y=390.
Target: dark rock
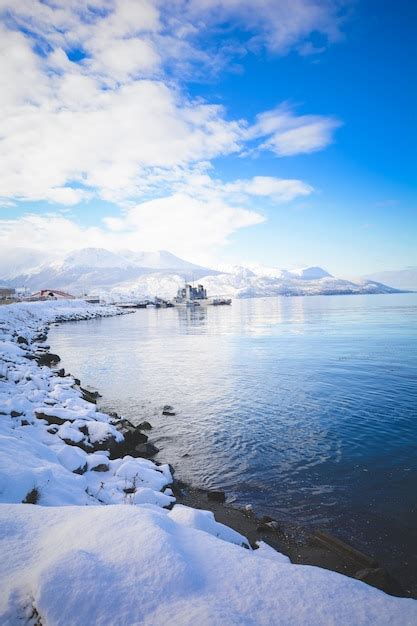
x=32, y=497
x=15, y=413
x=216, y=496
x=40, y=337
x=101, y=467
x=80, y=470
x=91, y=391
x=144, y=426
x=25, y=423
x=380, y=578
x=110, y=444
x=88, y=396
x=179, y=488
x=145, y=450
x=84, y=445
x=60, y=372
x=77, y=381
x=122, y=423
x=132, y=434
x=52, y=430
x=51, y=419
x=47, y=359
x=21, y=339
x=168, y=410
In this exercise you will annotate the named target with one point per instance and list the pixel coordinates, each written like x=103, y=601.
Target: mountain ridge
x=148, y=274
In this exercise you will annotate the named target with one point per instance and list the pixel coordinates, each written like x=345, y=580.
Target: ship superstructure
x=191, y=296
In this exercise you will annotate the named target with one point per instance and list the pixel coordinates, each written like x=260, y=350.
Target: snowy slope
x=127, y=565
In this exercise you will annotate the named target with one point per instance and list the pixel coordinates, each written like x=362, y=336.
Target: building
x=7, y=293
x=51, y=294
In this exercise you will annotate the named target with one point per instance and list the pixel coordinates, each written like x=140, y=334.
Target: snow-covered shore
x=73, y=560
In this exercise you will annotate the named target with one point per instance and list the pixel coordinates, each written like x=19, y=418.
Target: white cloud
x=187, y=226
x=114, y=124
x=195, y=221
x=101, y=122
x=278, y=189
x=122, y=58
x=288, y=134
x=275, y=24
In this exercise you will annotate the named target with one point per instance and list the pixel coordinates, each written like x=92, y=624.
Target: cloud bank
x=94, y=105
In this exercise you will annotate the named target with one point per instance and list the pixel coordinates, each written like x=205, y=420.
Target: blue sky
x=283, y=136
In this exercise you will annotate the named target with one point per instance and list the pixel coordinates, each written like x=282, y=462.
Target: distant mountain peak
x=313, y=272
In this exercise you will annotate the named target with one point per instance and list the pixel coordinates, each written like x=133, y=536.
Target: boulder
x=101, y=467
x=91, y=391
x=83, y=445
x=168, y=410
x=48, y=358
x=16, y=413
x=144, y=426
x=51, y=419
x=88, y=396
x=132, y=434
x=23, y=340
x=80, y=470
x=145, y=450
x=39, y=338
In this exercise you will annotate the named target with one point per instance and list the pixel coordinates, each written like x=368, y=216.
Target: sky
x=277, y=132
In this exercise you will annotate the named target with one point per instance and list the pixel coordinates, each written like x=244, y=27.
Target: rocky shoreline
x=58, y=450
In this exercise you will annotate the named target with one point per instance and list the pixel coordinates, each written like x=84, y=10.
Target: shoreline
x=60, y=452
x=303, y=547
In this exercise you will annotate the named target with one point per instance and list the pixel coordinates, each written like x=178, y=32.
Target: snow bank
x=47, y=428
x=76, y=561
x=124, y=565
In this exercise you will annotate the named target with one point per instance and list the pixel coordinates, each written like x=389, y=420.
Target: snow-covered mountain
x=97, y=269
x=400, y=279
x=130, y=274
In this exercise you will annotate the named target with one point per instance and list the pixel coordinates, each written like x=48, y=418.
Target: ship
x=190, y=296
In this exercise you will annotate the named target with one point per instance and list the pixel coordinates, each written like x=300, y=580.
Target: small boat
x=221, y=301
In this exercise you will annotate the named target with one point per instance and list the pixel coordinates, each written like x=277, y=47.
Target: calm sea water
x=304, y=407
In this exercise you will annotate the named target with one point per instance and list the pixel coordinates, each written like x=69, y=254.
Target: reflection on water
x=304, y=407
